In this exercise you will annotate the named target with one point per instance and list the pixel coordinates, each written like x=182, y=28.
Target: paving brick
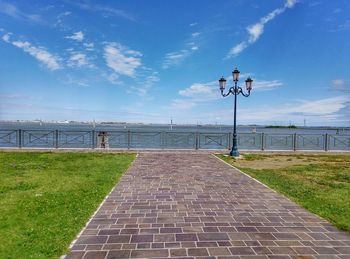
x=218, y=251
x=95, y=255
x=118, y=254
x=164, y=238
x=149, y=253
x=189, y=205
x=197, y=252
x=186, y=237
x=178, y=252
x=91, y=240
x=119, y=239
x=141, y=238
x=212, y=236
x=242, y=250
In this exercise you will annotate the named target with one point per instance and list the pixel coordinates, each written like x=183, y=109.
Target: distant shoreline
x=130, y=124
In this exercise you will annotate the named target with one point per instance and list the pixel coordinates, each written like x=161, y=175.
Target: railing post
x=56, y=139
x=93, y=139
x=262, y=141
x=129, y=139
x=19, y=140
x=294, y=141
x=197, y=141
x=326, y=142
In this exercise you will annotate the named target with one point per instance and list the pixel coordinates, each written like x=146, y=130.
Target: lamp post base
x=234, y=153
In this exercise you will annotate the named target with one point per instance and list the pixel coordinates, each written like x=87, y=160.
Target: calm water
x=165, y=127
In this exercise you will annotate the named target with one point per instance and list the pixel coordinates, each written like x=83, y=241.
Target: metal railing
x=171, y=140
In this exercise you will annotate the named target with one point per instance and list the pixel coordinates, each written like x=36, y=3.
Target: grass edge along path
x=322, y=186
x=47, y=198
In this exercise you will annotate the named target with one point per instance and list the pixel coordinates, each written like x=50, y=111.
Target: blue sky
x=150, y=61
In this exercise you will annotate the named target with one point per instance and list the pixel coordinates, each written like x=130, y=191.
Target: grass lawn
x=46, y=198
x=318, y=182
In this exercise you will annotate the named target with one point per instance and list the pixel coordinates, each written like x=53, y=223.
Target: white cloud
x=122, y=60
x=196, y=34
x=174, y=58
x=78, y=59
x=89, y=46
x=340, y=85
x=198, y=90
x=6, y=37
x=319, y=109
x=327, y=111
x=266, y=84
x=40, y=53
x=60, y=20
x=238, y=48
x=77, y=36
x=257, y=29
x=114, y=79
x=193, y=24
x=202, y=93
x=291, y=3
x=105, y=10
x=195, y=94
x=13, y=11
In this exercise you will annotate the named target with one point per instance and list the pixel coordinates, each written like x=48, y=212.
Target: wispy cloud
x=177, y=57
x=317, y=110
x=79, y=59
x=265, y=85
x=200, y=91
x=13, y=11
x=340, y=85
x=106, y=11
x=257, y=29
x=40, y=53
x=121, y=59
x=60, y=20
x=195, y=94
x=147, y=78
x=333, y=111
x=89, y=46
x=77, y=36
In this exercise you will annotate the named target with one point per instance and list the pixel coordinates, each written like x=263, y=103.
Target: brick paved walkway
x=185, y=205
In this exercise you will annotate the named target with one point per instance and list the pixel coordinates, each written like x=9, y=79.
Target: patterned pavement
x=189, y=205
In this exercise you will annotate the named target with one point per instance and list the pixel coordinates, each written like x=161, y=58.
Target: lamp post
x=235, y=90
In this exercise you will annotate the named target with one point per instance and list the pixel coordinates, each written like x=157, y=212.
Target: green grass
x=322, y=185
x=46, y=198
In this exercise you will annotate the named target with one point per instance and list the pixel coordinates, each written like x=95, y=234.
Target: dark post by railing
x=326, y=142
x=262, y=141
x=197, y=140
x=294, y=141
x=19, y=138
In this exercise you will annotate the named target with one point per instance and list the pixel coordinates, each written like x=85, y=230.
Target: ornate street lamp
x=235, y=90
